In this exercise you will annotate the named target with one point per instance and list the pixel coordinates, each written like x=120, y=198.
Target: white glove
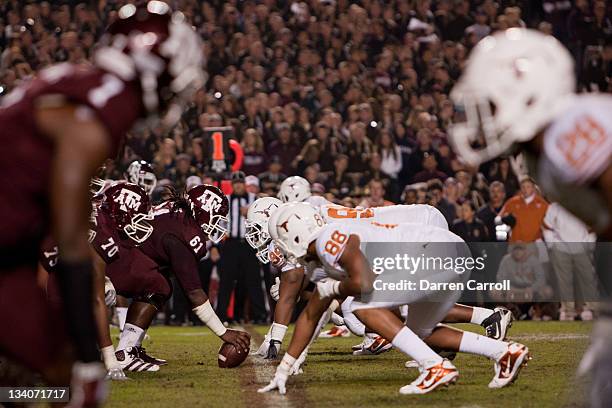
x=296, y=369
x=265, y=344
x=280, y=377
x=116, y=374
x=275, y=290
x=110, y=294
x=328, y=288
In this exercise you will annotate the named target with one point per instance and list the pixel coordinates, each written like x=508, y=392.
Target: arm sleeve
x=182, y=263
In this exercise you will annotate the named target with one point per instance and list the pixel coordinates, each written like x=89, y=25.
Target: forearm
x=290, y=287
x=101, y=316
x=306, y=324
x=284, y=310
x=349, y=287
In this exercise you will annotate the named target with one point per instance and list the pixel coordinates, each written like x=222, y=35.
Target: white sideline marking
x=264, y=372
x=550, y=337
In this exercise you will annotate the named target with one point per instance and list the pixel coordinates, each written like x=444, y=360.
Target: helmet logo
x=128, y=200
x=211, y=202
x=285, y=225
x=266, y=211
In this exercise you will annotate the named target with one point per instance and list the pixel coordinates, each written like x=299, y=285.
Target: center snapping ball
x=230, y=356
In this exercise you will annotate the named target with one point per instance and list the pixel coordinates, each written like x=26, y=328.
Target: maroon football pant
x=33, y=332
x=135, y=275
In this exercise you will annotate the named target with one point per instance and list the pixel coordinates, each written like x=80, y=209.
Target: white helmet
x=141, y=173
x=295, y=226
x=515, y=82
x=294, y=188
x=257, y=225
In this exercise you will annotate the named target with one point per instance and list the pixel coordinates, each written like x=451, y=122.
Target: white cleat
x=432, y=376
x=496, y=326
x=130, y=361
x=508, y=365
x=373, y=346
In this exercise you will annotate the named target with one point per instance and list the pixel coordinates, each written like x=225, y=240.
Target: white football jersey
x=317, y=201
x=577, y=149
x=393, y=214
x=332, y=240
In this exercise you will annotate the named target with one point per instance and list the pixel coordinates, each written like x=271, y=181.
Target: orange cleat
x=432, y=376
x=508, y=365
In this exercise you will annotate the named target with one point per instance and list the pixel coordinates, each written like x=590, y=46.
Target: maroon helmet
x=128, y=206
x=209, y=206
x=159, y=48
x=98, y=181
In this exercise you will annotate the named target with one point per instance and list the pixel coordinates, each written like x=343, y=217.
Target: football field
x=333, y=377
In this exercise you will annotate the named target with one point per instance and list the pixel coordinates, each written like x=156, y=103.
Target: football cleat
x=336, y=331
x=432, y=376
x=508, y=365
x=142, y=353
x=130, y=361
x=373, y=346
x=496, y=326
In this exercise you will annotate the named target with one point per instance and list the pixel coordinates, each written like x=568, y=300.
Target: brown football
x=230, y=357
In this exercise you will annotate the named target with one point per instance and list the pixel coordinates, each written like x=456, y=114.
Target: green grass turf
x=332, y=377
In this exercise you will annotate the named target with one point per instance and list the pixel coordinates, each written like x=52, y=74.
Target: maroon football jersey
x=25, y=154
x=182, y=227
x=106, y=240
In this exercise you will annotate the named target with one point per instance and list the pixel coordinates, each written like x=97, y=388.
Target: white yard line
x=550, y=337
x=263, y=372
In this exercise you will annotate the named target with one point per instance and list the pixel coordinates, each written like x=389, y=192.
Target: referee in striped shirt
x=238, y=265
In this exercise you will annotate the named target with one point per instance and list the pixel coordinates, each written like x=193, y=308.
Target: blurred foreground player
x=517, y=93
x=60, y=127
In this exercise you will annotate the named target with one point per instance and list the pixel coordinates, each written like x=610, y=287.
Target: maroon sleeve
x=106, y=240
x=116, y=103
x=183, y=263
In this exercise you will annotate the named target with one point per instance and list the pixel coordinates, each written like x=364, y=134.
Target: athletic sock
x=131, y=336
x=479, y=314
x=482, y=345
x=409, y=343
x=121, y=316
x=140, y=339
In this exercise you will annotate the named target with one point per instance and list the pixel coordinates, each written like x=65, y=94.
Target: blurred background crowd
x=353, y=96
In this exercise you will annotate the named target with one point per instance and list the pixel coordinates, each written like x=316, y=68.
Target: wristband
x=336, y=287
x=277, y=332
x=286, y=364
x=207, y=315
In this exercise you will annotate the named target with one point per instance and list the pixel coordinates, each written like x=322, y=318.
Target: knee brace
x=154, y=299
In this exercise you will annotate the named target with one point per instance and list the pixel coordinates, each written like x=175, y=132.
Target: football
x=230, y=356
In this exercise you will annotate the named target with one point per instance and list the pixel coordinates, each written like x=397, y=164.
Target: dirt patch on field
x=256, y=372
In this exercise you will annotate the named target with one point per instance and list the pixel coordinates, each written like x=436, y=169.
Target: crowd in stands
x=353, y=96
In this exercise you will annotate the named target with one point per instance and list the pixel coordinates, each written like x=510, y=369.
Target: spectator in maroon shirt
x=284, y=148
x=254, y=156
x=430, y=170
